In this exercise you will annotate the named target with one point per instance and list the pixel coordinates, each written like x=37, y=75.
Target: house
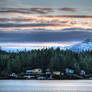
x=69, y=71
x=41, y=78
x=13, y=75
x=34, y=71
x=37, y=70
x=29, y=77
x=82, y=72
x=47, y=71
x=56, y=73
x=29, y=71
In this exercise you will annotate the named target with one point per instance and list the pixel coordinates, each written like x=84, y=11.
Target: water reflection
x=45, y=86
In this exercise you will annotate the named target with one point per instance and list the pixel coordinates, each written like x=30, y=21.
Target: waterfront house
x=56, y=73
x=13, y=75
x=29, y=71
x=82, y=72
x=69, y=71
x=37, y=71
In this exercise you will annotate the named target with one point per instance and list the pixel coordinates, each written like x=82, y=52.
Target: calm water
x=45, y=86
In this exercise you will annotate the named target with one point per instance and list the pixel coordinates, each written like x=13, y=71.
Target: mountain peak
x=87, y=40
x=86, y=45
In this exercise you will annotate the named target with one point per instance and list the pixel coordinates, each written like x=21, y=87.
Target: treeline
x=55, y=60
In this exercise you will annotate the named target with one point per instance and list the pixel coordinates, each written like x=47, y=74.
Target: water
x=45, y=85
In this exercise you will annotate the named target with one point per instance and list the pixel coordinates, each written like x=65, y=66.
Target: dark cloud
x=17, y=19
x=69, y=16
x=25, y=25
x=15, y=10
x=68, y=9
x=44, y=36
x=26, y=10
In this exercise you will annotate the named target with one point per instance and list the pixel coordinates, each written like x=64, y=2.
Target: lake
x=45, y=85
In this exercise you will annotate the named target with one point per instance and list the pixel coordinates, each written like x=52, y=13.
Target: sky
x=44, y=23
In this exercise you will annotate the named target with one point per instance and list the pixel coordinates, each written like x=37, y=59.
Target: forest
x=54, y=59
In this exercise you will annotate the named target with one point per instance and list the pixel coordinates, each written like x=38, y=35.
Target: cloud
x=44, y=36
x=68, y=9
x=68, y=16
x=42, y=10
x=26, y=10
x=90, y=10
x=46, y=22
x=15, y=10
x=25, y=25
x=52, y=22
x=22, y=19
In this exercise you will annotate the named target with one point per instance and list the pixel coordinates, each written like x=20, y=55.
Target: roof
x=29, y=71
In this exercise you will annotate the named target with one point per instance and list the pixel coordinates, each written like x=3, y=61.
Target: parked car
x=41, y=78
x=29, y=77
x=13, y=75
x=90, y=78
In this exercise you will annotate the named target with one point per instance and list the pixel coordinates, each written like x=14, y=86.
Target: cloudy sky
x=40, y=23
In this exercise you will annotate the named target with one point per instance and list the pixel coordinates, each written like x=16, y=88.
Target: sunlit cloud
x=47, y=22
x=30, y=46
x=26, y=10
x=69, y=16
x=42, y=10
x=68, y=9
x=41, y=45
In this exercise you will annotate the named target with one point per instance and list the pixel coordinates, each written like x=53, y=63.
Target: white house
x=56, y=72
x=82, y=72
x=37, y=70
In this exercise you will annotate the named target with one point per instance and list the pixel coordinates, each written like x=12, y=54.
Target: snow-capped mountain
x=86, y=45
